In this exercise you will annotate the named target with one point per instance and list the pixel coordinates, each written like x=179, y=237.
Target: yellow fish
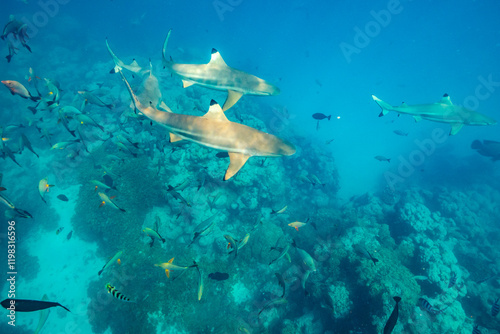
x=296, y=225
x=43, y=187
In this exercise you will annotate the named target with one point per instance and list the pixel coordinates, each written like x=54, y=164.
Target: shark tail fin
x=385, y=106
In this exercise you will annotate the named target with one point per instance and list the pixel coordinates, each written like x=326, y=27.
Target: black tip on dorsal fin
x=212, y=102
x=445, y=95
x=214, y=50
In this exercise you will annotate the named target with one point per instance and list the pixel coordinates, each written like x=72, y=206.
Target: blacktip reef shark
x=443, y=111
x=217, y=75
x=214, y=130
x=149, y=92
x=119, y=65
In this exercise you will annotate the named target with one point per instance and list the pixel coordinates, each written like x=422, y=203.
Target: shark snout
x=483, y=120
x=287, y=149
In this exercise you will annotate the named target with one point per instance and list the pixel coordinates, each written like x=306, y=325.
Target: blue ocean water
x=374, y=229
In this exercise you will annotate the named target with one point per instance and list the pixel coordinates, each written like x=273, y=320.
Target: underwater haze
x=233, y=166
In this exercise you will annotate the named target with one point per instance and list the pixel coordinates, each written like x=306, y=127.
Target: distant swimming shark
x=216, y=131
x=443, y=111
x=217, y=75
x=133, y=66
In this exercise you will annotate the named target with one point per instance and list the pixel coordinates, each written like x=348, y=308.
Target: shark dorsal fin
x=237, y=161
x=446, y=100
x=215, y=112
x=216, y=59
x=404, y=105
x=134, y=63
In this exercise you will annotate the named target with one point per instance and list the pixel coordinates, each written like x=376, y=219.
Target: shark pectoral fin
x=174, y=138
x=187, y=83
x=455, y=127
x=417, y=118
x=164, y=107
x=232, y=98
x=215, y=112
x=237, y=161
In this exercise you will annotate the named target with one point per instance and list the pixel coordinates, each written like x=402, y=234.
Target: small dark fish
x=176, y=195
x=320, y=116
x=10, y=154
x=487, y=148
x=222, y=155
x=374, y=260
x=219, y=276
x=22, y=213
x=274, y=302
x=108, y=180
x=453, y=280
x=27, y=144
x=281, y=282
x=382, y=158
x=393, y=319
x=400, y=133
x=63, y=198
x=486, y=279
x=495, y=308
x=69, y=235
x=476, y=330
x=27, y=305
x=59, y=230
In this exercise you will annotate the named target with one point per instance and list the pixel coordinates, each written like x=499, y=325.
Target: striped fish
x=427, y=306
x=453, y=279
x=495, y=308
x=117, y=294
x=476, y=330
